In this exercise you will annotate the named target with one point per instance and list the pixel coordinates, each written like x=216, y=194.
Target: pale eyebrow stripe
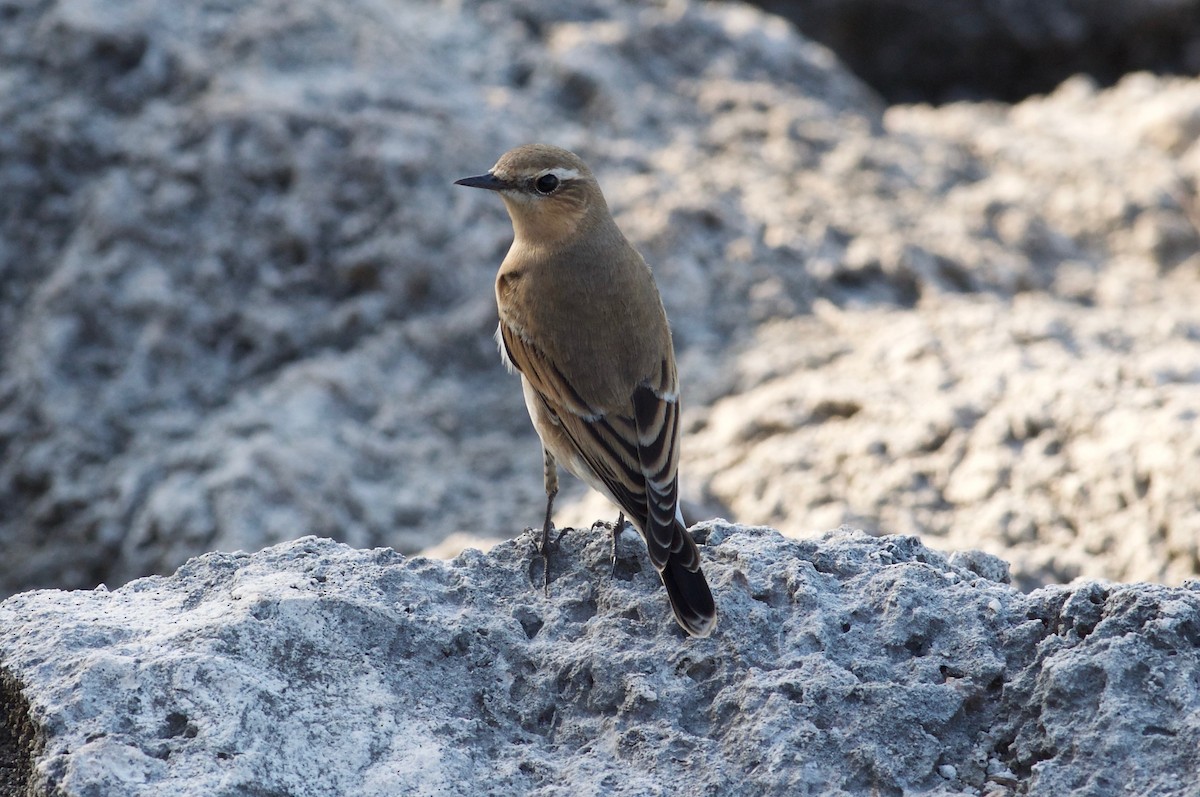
x=563, y=174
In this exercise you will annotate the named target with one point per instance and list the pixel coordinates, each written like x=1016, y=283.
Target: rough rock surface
x=844, y=665
x=241, y=301
x=1052, y=419
x=1097, y=460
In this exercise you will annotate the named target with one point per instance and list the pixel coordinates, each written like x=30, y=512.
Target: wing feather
x=658, y=435
x=627, y=453
x=635, y=454
x=545, y=377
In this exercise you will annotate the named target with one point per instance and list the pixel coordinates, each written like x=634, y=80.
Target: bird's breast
x=507, y=283
x=600, y=326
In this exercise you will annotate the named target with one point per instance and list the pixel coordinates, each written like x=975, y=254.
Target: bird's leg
x=616, y=534
x=551, y=477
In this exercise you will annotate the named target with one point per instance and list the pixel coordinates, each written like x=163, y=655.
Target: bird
x=583, y=323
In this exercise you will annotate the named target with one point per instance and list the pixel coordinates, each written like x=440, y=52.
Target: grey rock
x=845, y=665
x=242, y=302
x=1054, y=427
x=1063, y=445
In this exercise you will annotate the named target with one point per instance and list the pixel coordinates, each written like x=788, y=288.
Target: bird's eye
x=546, y=184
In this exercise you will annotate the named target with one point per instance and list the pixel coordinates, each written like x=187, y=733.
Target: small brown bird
x=583, y=323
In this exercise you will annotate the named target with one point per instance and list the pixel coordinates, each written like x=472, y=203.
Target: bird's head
x=548, y=191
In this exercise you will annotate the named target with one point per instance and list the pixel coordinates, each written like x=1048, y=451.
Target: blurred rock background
x=943, y=50
x=240, y=299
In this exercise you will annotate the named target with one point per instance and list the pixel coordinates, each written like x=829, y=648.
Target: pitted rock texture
x=845, y=665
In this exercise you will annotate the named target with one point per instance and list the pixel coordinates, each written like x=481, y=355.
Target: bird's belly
x=555, y=440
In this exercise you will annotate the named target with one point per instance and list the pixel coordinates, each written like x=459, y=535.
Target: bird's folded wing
x=635, y=455
x=543, y=374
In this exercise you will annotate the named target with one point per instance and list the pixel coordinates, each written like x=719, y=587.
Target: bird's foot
x=544, y=551
x=617, y=530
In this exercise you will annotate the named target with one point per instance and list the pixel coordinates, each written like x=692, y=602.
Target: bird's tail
x=691, y=599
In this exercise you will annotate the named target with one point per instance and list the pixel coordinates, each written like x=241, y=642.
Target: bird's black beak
x=489, y=181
